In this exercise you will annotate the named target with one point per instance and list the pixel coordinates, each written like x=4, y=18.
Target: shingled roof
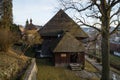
x=68, y=43
x=62, y=22
x=78, y=32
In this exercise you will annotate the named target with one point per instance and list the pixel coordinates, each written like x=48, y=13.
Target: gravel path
x=87, y=75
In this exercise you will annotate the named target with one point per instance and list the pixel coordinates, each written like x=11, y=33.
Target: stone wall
x=31, y=72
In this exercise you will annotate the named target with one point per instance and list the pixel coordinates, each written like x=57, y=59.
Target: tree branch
x=115, y=29
x=113, y=21
x=93, y=16
x=109, y=2
x=85, y=24
x=96, y=24
x=114, y=3
x=98, y=6
x=79, y=10
x=95, y=38
x=118, y=11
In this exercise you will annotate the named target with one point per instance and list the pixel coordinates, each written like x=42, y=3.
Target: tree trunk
x=105, y=57
x=105, y=45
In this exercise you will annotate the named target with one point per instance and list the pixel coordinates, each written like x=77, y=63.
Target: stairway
x=75, y=66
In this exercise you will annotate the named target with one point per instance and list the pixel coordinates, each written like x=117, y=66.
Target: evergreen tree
x=6, y=14
x=27, y=23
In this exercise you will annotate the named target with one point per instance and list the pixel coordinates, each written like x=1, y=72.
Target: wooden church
x=63, y=40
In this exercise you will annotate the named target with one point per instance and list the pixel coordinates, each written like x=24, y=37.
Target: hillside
x=11, y=64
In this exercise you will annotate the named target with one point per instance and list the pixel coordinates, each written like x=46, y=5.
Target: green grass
x=89, y=67
x=46, y=71
x=115, y=60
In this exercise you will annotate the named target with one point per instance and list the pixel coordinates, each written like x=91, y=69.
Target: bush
x=6, y=40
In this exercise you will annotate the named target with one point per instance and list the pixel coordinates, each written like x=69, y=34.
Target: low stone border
x=31, y=72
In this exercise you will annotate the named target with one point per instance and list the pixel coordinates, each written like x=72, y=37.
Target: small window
x=58, y=35
x=63, y=55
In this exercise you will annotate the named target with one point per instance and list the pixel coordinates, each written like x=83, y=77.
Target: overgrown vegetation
x=11, y=64
x=30, y=38
x=46, y=71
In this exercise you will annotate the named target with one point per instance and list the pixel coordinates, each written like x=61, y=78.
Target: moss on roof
x=62, y=22
x=68, y=43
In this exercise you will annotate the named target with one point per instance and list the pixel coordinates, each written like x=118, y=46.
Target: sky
x=40, y=11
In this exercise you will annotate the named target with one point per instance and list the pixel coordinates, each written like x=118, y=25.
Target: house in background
x=115, y=43
x=30, y=29
x=55, y=33
x=115, y=48
x=29, y=26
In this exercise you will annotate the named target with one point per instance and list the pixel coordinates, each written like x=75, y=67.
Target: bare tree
x=30, y=38
x=102, y=13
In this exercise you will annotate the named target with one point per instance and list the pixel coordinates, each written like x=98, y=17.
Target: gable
x=61, y=22
x=68, y=43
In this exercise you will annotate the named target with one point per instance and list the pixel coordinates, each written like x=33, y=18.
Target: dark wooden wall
x=66, y=60
x=59, y=59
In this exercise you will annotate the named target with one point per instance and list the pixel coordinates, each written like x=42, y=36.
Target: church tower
x=27, y=23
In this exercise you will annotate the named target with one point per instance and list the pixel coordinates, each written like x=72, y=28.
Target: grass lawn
x=46, y=71
x=90, y=68
x=115, y=61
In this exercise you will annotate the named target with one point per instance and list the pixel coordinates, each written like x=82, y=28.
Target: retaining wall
x=31, y=72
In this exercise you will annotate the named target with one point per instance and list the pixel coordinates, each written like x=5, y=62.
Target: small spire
x=27, y=22
x=30, y=21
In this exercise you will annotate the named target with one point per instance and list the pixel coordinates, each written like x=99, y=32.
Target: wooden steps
x=75, y=66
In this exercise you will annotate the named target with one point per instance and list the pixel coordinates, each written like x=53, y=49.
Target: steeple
x=30, y=21
x=27, y=22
